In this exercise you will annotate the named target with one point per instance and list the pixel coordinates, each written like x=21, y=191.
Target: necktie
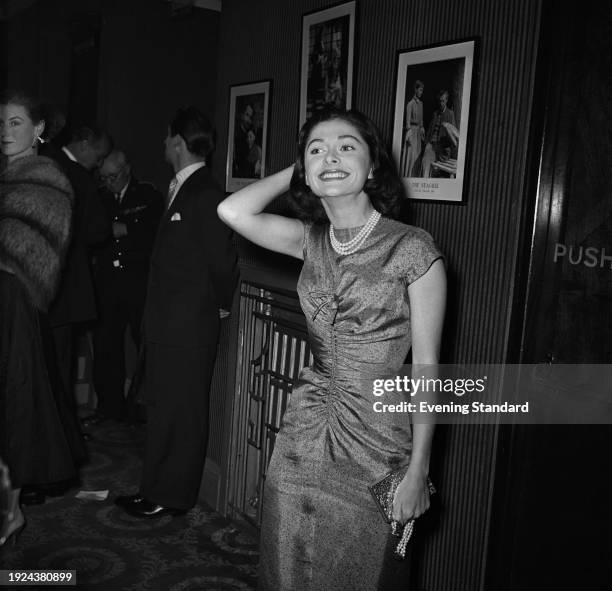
x=118, y=197
x=172, y=189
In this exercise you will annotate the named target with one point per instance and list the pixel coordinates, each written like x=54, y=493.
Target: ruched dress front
x=321, y=528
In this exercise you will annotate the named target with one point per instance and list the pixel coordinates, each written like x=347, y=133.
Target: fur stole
x=35, y=224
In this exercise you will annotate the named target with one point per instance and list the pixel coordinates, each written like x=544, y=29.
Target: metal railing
x=273, y=348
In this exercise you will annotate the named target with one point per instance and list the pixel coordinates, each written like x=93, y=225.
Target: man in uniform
x=121, y=269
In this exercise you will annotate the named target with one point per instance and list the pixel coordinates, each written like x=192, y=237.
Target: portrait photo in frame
x=432, y=119
x=247, y=134
x=328, y=48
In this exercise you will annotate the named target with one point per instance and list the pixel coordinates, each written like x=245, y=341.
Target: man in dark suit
x=193, y=276
x=121, y=270
x=75, y=302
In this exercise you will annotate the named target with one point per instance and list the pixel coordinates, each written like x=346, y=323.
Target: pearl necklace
x=355, y=243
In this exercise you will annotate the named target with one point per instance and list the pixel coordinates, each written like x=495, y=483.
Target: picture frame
x=247, y=136
x=431, y=127
x=327, y=62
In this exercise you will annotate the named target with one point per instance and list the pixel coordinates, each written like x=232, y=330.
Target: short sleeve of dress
x=420, y=254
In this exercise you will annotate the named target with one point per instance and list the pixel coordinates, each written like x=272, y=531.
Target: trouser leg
x=177, y=386
x=109, y=354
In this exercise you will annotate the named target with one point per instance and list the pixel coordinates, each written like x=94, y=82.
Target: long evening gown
x=32, y=440
x=35, y=212
x=321, y=529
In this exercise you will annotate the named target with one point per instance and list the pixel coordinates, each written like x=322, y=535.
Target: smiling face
x=18, y=132
x=337, y=159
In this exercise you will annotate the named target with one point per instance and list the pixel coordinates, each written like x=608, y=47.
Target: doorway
x=551, y=510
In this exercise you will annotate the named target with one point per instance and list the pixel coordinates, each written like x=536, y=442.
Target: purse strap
x=400, y=550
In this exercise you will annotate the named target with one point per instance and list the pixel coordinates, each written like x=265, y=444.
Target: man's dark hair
x=196, y=129
x=385, y=189
x=91, y=133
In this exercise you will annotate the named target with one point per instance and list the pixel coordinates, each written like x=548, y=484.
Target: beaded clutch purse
x=383, y=493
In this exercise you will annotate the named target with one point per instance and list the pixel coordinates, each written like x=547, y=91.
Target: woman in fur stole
x=35, y=219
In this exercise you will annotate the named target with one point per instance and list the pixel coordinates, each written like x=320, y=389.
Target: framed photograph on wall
x=432, y=119
x=247, y=134
x=328, y=47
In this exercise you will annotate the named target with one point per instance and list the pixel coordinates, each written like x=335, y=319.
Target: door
x=551, y=514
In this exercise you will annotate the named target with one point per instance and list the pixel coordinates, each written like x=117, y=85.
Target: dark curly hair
x=385, y=189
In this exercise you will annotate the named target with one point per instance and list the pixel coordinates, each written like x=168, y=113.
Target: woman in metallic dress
x=371, y=289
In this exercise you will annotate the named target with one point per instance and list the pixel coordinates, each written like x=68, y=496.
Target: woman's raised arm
x=243, y=212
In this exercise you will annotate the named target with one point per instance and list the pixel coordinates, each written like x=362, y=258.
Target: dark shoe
x=128, y=500
x=144, y=508
x=32, y=495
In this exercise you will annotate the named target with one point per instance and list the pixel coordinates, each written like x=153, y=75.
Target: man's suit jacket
x=193, y=268
x=75, y=301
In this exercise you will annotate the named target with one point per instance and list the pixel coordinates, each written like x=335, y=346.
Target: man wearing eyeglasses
x=121, y=267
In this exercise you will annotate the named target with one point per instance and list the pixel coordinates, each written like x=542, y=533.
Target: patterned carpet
x=112, y=551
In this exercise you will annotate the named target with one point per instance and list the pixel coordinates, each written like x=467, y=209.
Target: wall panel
x=151, y=64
